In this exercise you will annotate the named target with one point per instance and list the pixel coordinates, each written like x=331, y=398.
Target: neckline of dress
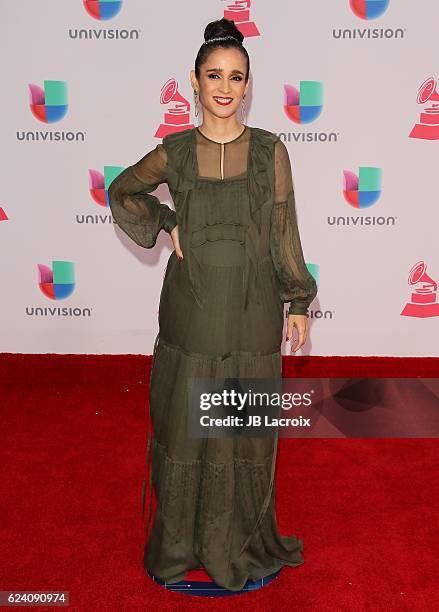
x=227, y=142
x=193, y=151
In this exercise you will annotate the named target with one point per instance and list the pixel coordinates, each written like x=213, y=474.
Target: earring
x=243, y=109
x=197, y=110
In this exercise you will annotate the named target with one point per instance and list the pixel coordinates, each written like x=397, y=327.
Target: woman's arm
x=141, y=215
x=297, y=284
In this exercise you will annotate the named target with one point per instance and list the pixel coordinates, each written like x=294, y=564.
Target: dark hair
x=219, y=29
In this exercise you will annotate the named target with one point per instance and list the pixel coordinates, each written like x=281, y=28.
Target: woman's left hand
x=301, y=323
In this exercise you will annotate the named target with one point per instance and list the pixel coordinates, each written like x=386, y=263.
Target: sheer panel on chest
x=222, y=161
x=218, y=212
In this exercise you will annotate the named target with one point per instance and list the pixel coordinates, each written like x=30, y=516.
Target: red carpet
x=73, y=456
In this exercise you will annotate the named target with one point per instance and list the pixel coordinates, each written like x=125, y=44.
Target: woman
x=237, y=259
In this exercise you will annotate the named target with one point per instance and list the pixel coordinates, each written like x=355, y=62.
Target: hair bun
x=222, y=33
x=222, y=29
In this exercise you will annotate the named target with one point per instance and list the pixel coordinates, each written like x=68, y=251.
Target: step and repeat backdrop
x=89, y=87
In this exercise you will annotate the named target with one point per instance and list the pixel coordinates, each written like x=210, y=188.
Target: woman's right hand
x=176, y=243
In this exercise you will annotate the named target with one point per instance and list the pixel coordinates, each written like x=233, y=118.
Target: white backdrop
x=113, y=70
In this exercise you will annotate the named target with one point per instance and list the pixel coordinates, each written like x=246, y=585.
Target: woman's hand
x=301, y=323
x=176, y=243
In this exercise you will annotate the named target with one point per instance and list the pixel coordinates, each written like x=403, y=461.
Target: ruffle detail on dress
x=201, y=507
x=181, y=177
x=261, y=171
x=181, y=174
x=215, y=497
x=219, y=231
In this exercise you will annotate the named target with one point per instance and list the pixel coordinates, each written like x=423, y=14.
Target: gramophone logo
x=103, y=9
x=239, y=12
x=428, y=126
x=177, y=116
x=364, y=189
x=49, y=104
x=58, y=282
x=99, y=183
x=423, y=302
x=305, y=104
x=368, y=9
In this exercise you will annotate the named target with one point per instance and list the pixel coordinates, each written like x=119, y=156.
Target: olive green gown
x=221, y=315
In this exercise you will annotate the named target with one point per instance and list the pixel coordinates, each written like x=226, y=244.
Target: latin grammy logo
x=424, y=298
x=239, y=12
x=428, y=126
x=177, y=118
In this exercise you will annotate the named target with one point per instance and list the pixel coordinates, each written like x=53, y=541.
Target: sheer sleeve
x=297, y=284
x=138, y=213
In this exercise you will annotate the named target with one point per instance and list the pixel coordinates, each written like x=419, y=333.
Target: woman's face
x=222, y=82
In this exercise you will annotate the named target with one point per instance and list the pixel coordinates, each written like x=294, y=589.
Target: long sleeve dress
x=221, y=315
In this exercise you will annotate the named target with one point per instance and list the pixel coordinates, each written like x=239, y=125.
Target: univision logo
x=98, y=183
x=305, y=104
x=361, y=191
x=315, y=313
x=103, y=10
x=368, y=10
x=49, y=104
x=302, y=105
x=314, y=270
x=57, y=283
